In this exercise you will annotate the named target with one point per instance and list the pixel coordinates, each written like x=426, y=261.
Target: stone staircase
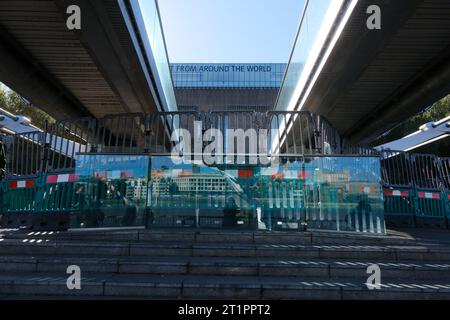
x=222, y=265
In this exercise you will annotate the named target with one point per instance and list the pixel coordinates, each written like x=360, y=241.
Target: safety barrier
x=55, y=148
x=416, y=208
x=282, y=203
x=445, y=167
x=400, y=207
x=38, y=203
x=396, y=169
x=431, y=209
x=210, y=201
x=40, y=179
x=52, y=193
x=57, y=201
x=427, y=172
x=19, y=196
x=24, y=154
x=64, y=140
x=416, y=190
x=58, y=193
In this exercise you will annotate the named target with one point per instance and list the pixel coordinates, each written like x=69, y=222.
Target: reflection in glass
x=149, y=25
x=332, y=193
x=111, y=192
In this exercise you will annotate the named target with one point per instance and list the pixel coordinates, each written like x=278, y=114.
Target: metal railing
x=396, y=169
x=24, y=154
x=288, y=134
x=65, y=139
x=284, y=133
x=445, y=167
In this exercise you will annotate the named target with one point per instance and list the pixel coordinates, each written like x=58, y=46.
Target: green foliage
x=12, y=102
x=436, y=112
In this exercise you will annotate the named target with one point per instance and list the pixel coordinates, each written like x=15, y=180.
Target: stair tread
x=114, y=242
x=201, y=236
x=239, y=281
x=204, y=264
x=226, y=261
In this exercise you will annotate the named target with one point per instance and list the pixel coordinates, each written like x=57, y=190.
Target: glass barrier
x=147, y=19
x=111, y=191
x=194, y=195
x=332, y=193
x=344, y=194
x=316, y=26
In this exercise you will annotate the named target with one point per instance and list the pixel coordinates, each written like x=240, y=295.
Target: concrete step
x=244, y=237
x=354, y=252
x=225, y=265
x=201, y=287
x=324, y=269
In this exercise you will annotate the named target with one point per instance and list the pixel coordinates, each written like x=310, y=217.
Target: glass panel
x=332, y=193
x=193, y=195
x=149, y=24
x=349, y=191
x=317, y=24
x=111, y=191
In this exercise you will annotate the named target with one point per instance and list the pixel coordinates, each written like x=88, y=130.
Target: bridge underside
x=94, y=71
x=376, y=79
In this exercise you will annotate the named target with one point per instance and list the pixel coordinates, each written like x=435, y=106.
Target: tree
x=14, y=103
x=436, y=112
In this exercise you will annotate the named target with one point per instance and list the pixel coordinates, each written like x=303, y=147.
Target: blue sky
x=230, y=31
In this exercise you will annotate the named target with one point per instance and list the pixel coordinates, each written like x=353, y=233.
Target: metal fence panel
x=292, y=133
x=426, y=171
x=24, y=153
x=445, y=172
x=65, y=140
x=396, y=169
x=121, y=134
x=165, y=131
